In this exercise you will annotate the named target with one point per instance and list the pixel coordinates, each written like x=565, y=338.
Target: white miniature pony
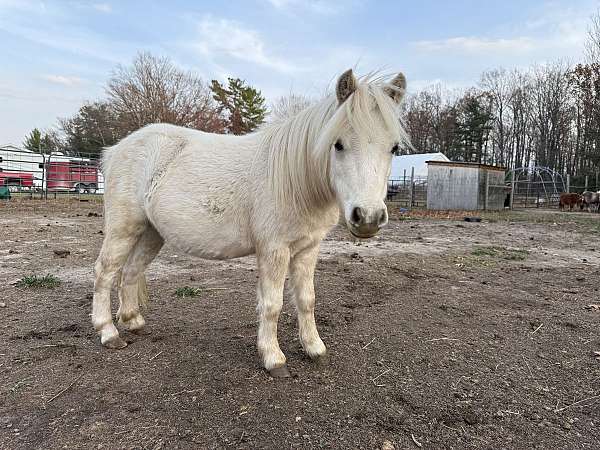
x=275, y=193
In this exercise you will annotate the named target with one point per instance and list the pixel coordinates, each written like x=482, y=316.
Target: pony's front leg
x=272, y=268
x=302, y=268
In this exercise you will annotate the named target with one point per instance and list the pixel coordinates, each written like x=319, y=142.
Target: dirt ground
x=441, y=334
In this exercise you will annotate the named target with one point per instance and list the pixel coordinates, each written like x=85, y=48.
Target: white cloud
x=323, y=7
x=477, y=45
x=227, y=38
x=102, y=7
x=555, y=32
x=61, y=79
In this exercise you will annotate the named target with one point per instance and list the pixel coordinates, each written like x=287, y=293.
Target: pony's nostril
x=357, y=215
x=382, y=218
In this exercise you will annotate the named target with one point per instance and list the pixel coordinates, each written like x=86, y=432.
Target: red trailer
x=16, y=181
x=72, y=175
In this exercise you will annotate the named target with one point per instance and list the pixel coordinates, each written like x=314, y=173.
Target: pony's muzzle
x=366, y=222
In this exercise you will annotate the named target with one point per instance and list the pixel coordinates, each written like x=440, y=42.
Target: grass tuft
x=36, y=281
x=187, y=291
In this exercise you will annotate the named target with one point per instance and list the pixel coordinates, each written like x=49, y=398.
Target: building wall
x=464, y=188
x=451, y=187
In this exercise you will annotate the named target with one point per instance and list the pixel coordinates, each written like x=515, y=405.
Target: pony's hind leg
x=119, y=242
x=132, y=284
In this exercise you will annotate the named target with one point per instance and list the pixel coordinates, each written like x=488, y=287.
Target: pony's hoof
x=115, y=343
x=321, y=360
x=280, y=372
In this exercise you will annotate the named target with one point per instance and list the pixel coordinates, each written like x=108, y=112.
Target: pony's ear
x=346, y=85
x=397, y=88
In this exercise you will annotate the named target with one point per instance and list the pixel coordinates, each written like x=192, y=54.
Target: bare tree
x=551, y=113
x=289, y=105
x=497, y=84
x=153, y=90
x=430, y=118
x=592, y=45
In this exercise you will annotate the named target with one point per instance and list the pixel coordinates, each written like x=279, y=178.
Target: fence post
x=43, y=194
x=487, y=190
x=568, y=183
x=586, y=182
x=512, y=189
x=411, y=188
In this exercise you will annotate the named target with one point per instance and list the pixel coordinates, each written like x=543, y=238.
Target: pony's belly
x=219, y=249
x=203, y=225
x=209, y=242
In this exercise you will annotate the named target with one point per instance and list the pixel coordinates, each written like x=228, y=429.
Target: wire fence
x=408, y=191
x=540, y=187
x=24, y=173
x=27, y=174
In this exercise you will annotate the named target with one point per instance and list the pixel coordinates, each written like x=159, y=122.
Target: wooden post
x=568, y=183
x=527, y=193
x=411, y=188
x=487, y=191
x=586, y=182
x=512, y=189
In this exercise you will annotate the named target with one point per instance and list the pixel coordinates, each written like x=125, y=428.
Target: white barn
x=403, y=163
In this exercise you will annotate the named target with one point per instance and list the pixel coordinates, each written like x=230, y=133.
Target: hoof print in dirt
x=280, y=372
x=321, y=361
x=141, y=332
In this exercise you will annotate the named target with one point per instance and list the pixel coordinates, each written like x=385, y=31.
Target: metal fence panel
x=38, y=175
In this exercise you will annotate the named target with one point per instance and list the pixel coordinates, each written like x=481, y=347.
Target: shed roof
x=465, y=164
x=418, y=161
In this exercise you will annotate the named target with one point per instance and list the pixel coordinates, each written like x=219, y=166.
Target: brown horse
x=590, y=200
x=569, y=199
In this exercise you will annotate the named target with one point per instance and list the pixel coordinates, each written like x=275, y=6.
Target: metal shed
x=465, y=186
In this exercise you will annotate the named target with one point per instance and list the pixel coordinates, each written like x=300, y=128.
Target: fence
x=36, y=175
x=540, y=187
x=29, y=174
x=408, y=191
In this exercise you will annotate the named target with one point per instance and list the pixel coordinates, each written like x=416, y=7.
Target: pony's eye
x=395, y=149
x=338, y=146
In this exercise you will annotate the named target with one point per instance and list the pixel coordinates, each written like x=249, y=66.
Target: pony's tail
x=105, y=161
x=142, y=289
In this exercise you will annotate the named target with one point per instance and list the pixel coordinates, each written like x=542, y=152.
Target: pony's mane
x=298, y=147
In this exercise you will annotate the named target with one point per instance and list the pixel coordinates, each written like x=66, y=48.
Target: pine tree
x=33, y=141
x=42, y=142
x=243, y=106
x=472, y=128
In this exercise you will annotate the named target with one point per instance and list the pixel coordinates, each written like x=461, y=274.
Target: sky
x=56, y=55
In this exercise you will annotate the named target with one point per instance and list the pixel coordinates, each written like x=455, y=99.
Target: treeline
x=548, y=116
x=153, y=90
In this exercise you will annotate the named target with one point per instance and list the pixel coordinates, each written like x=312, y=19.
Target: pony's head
x=363, y=135
x=340, y=150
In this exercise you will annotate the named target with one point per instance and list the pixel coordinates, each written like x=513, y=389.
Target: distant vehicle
x=55, y=172
x=16, y=181
x=73, y=175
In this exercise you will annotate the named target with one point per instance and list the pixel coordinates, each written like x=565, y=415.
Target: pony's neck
x=297, y=162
